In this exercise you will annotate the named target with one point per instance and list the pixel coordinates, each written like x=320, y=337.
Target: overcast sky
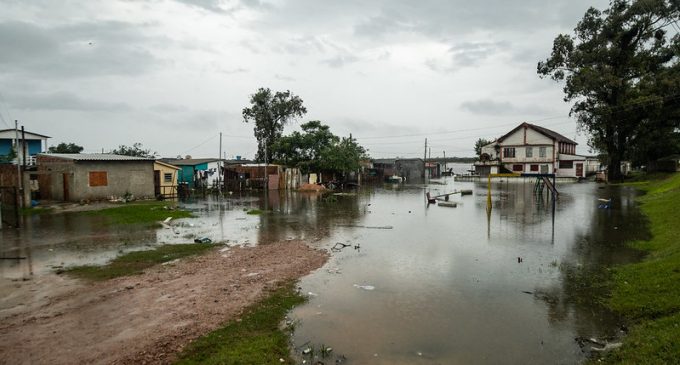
x=172, y=74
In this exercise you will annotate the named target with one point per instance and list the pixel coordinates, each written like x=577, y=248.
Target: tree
x=479, y=144
x=270, y=113
x=303, y=150
x=610, y=68
x=343, y=156
x=64, y=147
x=136, y=150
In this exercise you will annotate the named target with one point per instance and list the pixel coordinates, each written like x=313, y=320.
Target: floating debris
x=365, y=287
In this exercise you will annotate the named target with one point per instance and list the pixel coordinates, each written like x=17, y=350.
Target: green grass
x=648, y=292
x=140, y=213
x=134, y=263
x=256, y=339
x=35, y=211
x=254, y=212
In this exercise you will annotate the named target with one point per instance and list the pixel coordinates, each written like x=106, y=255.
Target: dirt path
x=149, y=318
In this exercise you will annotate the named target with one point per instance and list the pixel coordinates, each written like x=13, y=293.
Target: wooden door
x=157, y=182
x=579, y=169
x=67, y=195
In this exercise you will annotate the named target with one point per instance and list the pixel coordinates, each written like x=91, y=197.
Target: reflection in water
x=446, y=288
x=448, y=291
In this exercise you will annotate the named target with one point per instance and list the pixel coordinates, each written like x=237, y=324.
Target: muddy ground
x=146, y=318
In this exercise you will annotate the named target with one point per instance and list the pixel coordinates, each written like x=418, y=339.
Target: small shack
x=93, y=176
x=239, y=177
x=165, y=180
x=666, y=164
x=196, y=172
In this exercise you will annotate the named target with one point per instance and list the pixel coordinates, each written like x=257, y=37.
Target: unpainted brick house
x=76, y=177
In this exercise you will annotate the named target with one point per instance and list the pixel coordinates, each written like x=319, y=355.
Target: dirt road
x=150, y=317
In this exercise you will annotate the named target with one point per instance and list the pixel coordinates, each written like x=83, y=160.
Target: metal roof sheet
x=96, y=157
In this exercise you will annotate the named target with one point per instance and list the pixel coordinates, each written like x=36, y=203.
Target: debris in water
x=608, y=347
x=448, y=204
x=519, y=259
x=312, y=294
x=367, y=227
x=307, y=351
x=339, y=246
x=203, y=240
x=365, y=287
x=168, y=219
x=527, y=292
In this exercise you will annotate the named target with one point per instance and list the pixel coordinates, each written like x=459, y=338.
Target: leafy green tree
x=271, y=112
x=65, y=148
x=610, y=68
x=136, y=150
x=479, y=144
x=303, y=150
x=343, y=156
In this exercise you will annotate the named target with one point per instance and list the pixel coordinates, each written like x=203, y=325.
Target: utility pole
x=266, y=177
x=445, y=161
x=425, y=163
x=219, y=168
x=16, y=149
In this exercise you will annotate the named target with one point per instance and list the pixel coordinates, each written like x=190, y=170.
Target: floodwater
x=414, y=283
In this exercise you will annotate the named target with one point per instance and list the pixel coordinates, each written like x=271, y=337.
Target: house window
x=509, y=152
x=167, y=177
x=98, y=178
x=530, y=152
x=519, y=168
x=541, y=151
x=534, y=168
x=566, y=164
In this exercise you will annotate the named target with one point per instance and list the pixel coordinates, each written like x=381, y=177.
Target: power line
x=201, y=144
x=458, y=130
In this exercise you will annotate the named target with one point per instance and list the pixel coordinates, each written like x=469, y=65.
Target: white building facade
x=532, y=149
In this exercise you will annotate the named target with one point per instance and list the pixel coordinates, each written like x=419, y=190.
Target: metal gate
x=9, y=208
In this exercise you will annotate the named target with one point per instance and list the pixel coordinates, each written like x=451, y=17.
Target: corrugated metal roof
x=189, y=161
x=96, y=157
x=11, y=133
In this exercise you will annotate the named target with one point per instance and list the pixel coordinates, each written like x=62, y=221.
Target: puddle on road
x=440, y=285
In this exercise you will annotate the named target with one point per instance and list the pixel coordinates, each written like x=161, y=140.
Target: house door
x=67, y=196
x=579, y=169
x=157, y=182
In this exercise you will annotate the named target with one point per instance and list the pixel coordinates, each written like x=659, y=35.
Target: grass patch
x=254, y=212
x=140, y=213
x=256, y=339
x=35, y=211
x=648, y=292
x=134, y=263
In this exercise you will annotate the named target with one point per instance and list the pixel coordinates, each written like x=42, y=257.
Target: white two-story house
x=532, y=149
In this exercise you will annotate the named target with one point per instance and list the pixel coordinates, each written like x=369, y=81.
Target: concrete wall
x=134, y=177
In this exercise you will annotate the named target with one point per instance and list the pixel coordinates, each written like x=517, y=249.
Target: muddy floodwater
x=407, y=282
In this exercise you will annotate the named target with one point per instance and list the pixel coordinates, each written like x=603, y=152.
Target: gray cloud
x=284, y=77
x=62, y=100
x=78, y=50
x=492, y=108
x=467, y=54
x=340, y=60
